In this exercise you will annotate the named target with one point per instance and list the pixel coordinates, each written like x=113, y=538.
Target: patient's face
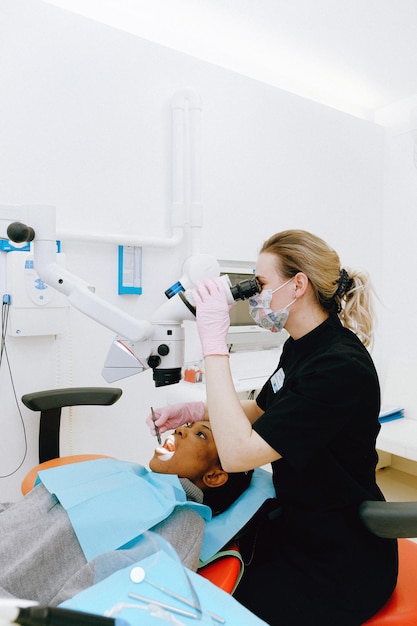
x=189, y=452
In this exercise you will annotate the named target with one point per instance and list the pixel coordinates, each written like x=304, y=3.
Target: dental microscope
x=139, y=344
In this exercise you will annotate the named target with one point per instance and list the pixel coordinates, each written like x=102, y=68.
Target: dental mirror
x=137, y=574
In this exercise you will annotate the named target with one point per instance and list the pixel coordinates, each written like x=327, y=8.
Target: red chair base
x=225, y=571
x=401, y=608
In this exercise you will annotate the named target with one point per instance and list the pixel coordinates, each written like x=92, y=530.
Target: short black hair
x=220, y=498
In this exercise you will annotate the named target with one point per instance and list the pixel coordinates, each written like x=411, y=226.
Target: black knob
x=154, y=360
x=19, y=232
x=163, y=349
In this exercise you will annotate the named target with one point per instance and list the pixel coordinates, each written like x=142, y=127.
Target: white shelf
x=399, y=437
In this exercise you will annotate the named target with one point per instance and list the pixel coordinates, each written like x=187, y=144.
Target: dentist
x=316, y=422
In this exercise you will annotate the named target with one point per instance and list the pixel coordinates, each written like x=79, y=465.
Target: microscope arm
x=82, y=297
x=139, y=344
x=42, y=234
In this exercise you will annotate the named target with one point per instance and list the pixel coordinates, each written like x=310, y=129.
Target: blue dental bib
x=123, y=499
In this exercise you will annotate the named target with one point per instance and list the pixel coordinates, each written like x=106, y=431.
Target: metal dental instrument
x=168, y=607
x=138, y=575
x=157, y=433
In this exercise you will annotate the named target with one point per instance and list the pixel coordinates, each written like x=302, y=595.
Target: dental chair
x=225, y=568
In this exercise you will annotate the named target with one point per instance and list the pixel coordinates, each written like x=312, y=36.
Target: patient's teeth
x=169, y=443
x=167, y=450
x=164, y=454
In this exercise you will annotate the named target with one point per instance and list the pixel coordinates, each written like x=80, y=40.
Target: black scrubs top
x=321, y=414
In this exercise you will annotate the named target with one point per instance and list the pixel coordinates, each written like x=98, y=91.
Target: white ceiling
x=356, y=55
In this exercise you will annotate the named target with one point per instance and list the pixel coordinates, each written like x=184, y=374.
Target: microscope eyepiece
x=245, y=289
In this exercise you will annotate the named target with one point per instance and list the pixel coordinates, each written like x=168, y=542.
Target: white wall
x=85, y=125
x=398, y=321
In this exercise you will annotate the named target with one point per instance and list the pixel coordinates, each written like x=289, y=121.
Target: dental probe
x=157, y=433
x=42, y=615
x=168, y=607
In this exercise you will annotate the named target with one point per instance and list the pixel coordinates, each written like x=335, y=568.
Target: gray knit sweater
x=41, y=559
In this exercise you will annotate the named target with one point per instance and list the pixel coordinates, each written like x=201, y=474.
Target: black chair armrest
x=390, y=519
x=71, y=396
x=50, y=402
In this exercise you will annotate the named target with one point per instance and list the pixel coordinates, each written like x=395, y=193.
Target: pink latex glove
x=174, y=415
x=213, y=319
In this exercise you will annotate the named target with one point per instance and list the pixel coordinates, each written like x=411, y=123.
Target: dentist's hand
x=213, y=319
x=175, y=415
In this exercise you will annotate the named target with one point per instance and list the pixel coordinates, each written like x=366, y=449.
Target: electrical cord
x=3, y=352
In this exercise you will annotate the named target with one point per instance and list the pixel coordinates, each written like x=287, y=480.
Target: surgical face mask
x=264, y=316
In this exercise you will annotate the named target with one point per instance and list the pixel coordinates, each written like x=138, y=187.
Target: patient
x=41, y=558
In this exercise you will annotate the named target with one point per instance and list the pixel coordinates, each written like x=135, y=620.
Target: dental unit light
x=139, y=344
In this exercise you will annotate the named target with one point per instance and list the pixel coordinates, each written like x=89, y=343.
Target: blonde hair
x=345, y=292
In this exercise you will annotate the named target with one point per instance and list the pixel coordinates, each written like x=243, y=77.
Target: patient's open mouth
x=167, y=450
